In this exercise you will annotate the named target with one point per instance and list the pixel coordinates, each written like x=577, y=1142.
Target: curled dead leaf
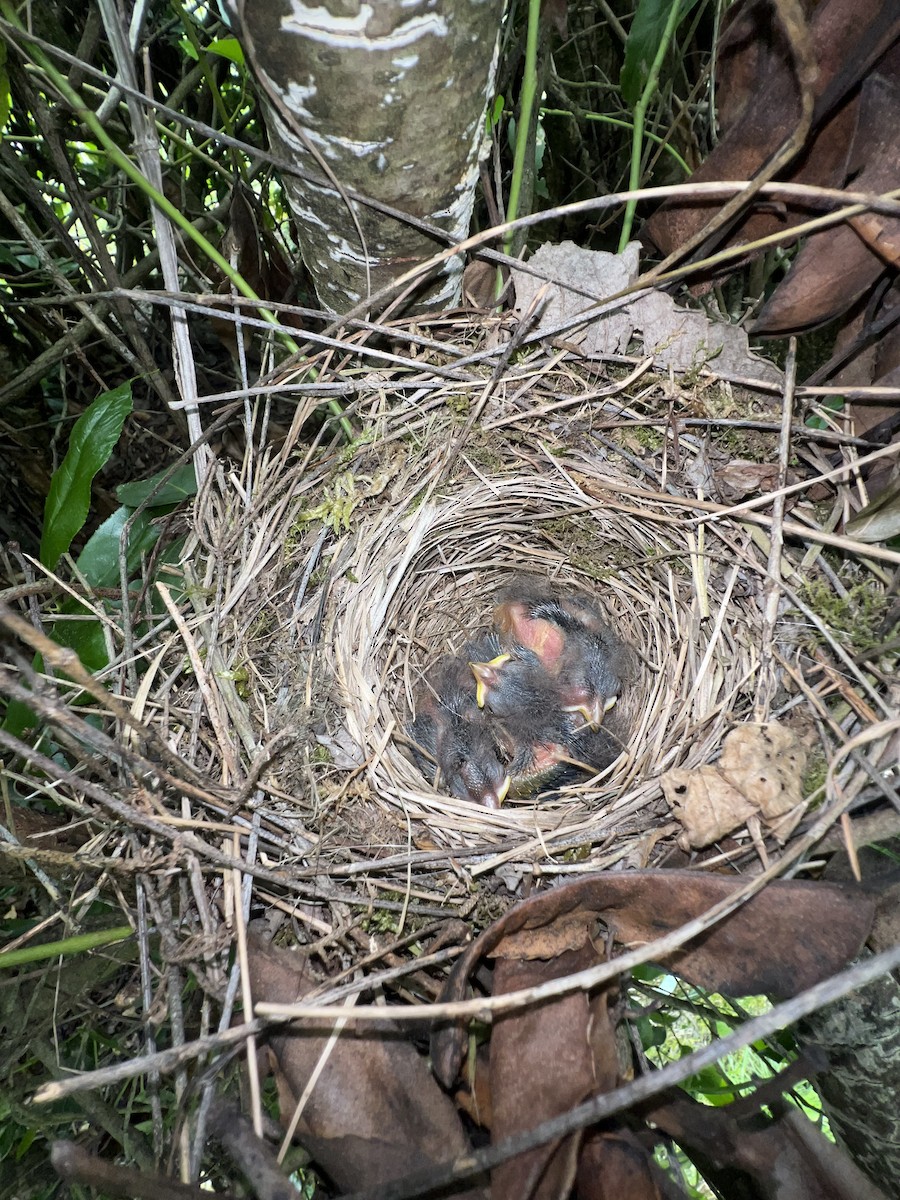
x=760, y=772
x=766, y=763
x=706, y=804
x=740, y=478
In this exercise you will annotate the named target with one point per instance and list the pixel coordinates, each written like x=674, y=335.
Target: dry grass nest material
x=421, y=586
x=318, y=584
x=358, y=614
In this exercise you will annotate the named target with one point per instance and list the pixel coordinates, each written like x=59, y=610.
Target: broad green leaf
x=75, y=625
x=181, y=486
x=91, y=443
x=711, y=1085
x=79, y=630
x=99, y=560
x=17, y=718
x=229, y=48
x=493, y=114
x=833, y=403
x=99, y=564
x=649, y=1032
x=648, y=973
x=643, y=41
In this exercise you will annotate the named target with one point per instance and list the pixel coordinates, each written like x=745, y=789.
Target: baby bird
x=533, y=742
x=508, y=678
x=547, y=749
x=566, y=632
x=452, y=733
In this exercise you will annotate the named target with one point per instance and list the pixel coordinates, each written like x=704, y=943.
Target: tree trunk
x=391, y=95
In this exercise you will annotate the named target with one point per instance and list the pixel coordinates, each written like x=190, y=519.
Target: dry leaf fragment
x=706, y=804
x=679, y=338
x=756, y=949
x=740, y=478
x=760, y=771
x=579, y=279
x=766, y=762
x=687, y=340
x=546, y=1058
x=375, y=1112
x=880, y=519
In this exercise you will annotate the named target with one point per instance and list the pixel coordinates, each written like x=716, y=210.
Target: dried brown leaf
x=740, y=478
x=766, y=763
x=543, y=1063
x=754, y=950
x=706, y=804
x=375, y=1113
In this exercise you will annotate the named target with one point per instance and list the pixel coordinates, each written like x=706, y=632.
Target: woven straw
x=417, y=575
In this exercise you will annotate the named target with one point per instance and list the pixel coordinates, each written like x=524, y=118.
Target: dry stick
x=50, y=130
x=60, y=658
x=134, y=817
x=747, y=506
x=207, y=1096
x=776, y=543
x=211, y=699
x=146, y=973
x=247, y=996
x=246, y=1149
x=609, y=1103
x=149, y=156
x=791, y=528
x=487, y=1008
x=76, y=1165
x=91, y=315
x=508, y=350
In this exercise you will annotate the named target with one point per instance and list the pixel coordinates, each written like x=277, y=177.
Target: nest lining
x=418, y=587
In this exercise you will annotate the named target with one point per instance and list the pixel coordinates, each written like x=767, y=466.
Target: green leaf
x=649, y=1032
x=99, y=564
x=78, y=629
x=642, y=43
x=833, y=403
x=181, y=486
x=648, y=973
x=229, y=48
x=91, y=443
x=493, y=114
x=99, y=560
x=81, y=943
x=711, y=1085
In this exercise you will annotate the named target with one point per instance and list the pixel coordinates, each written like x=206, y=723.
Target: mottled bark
x=392, y=96
x=861, y=1036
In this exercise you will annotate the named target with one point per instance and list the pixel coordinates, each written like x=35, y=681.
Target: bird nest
x=368, y=566
x=420, y=587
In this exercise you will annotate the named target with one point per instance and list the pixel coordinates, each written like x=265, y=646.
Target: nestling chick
x=533, y=743
x=452, y=733
x=547, y=748
x=509, y=679
x=574, y=645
